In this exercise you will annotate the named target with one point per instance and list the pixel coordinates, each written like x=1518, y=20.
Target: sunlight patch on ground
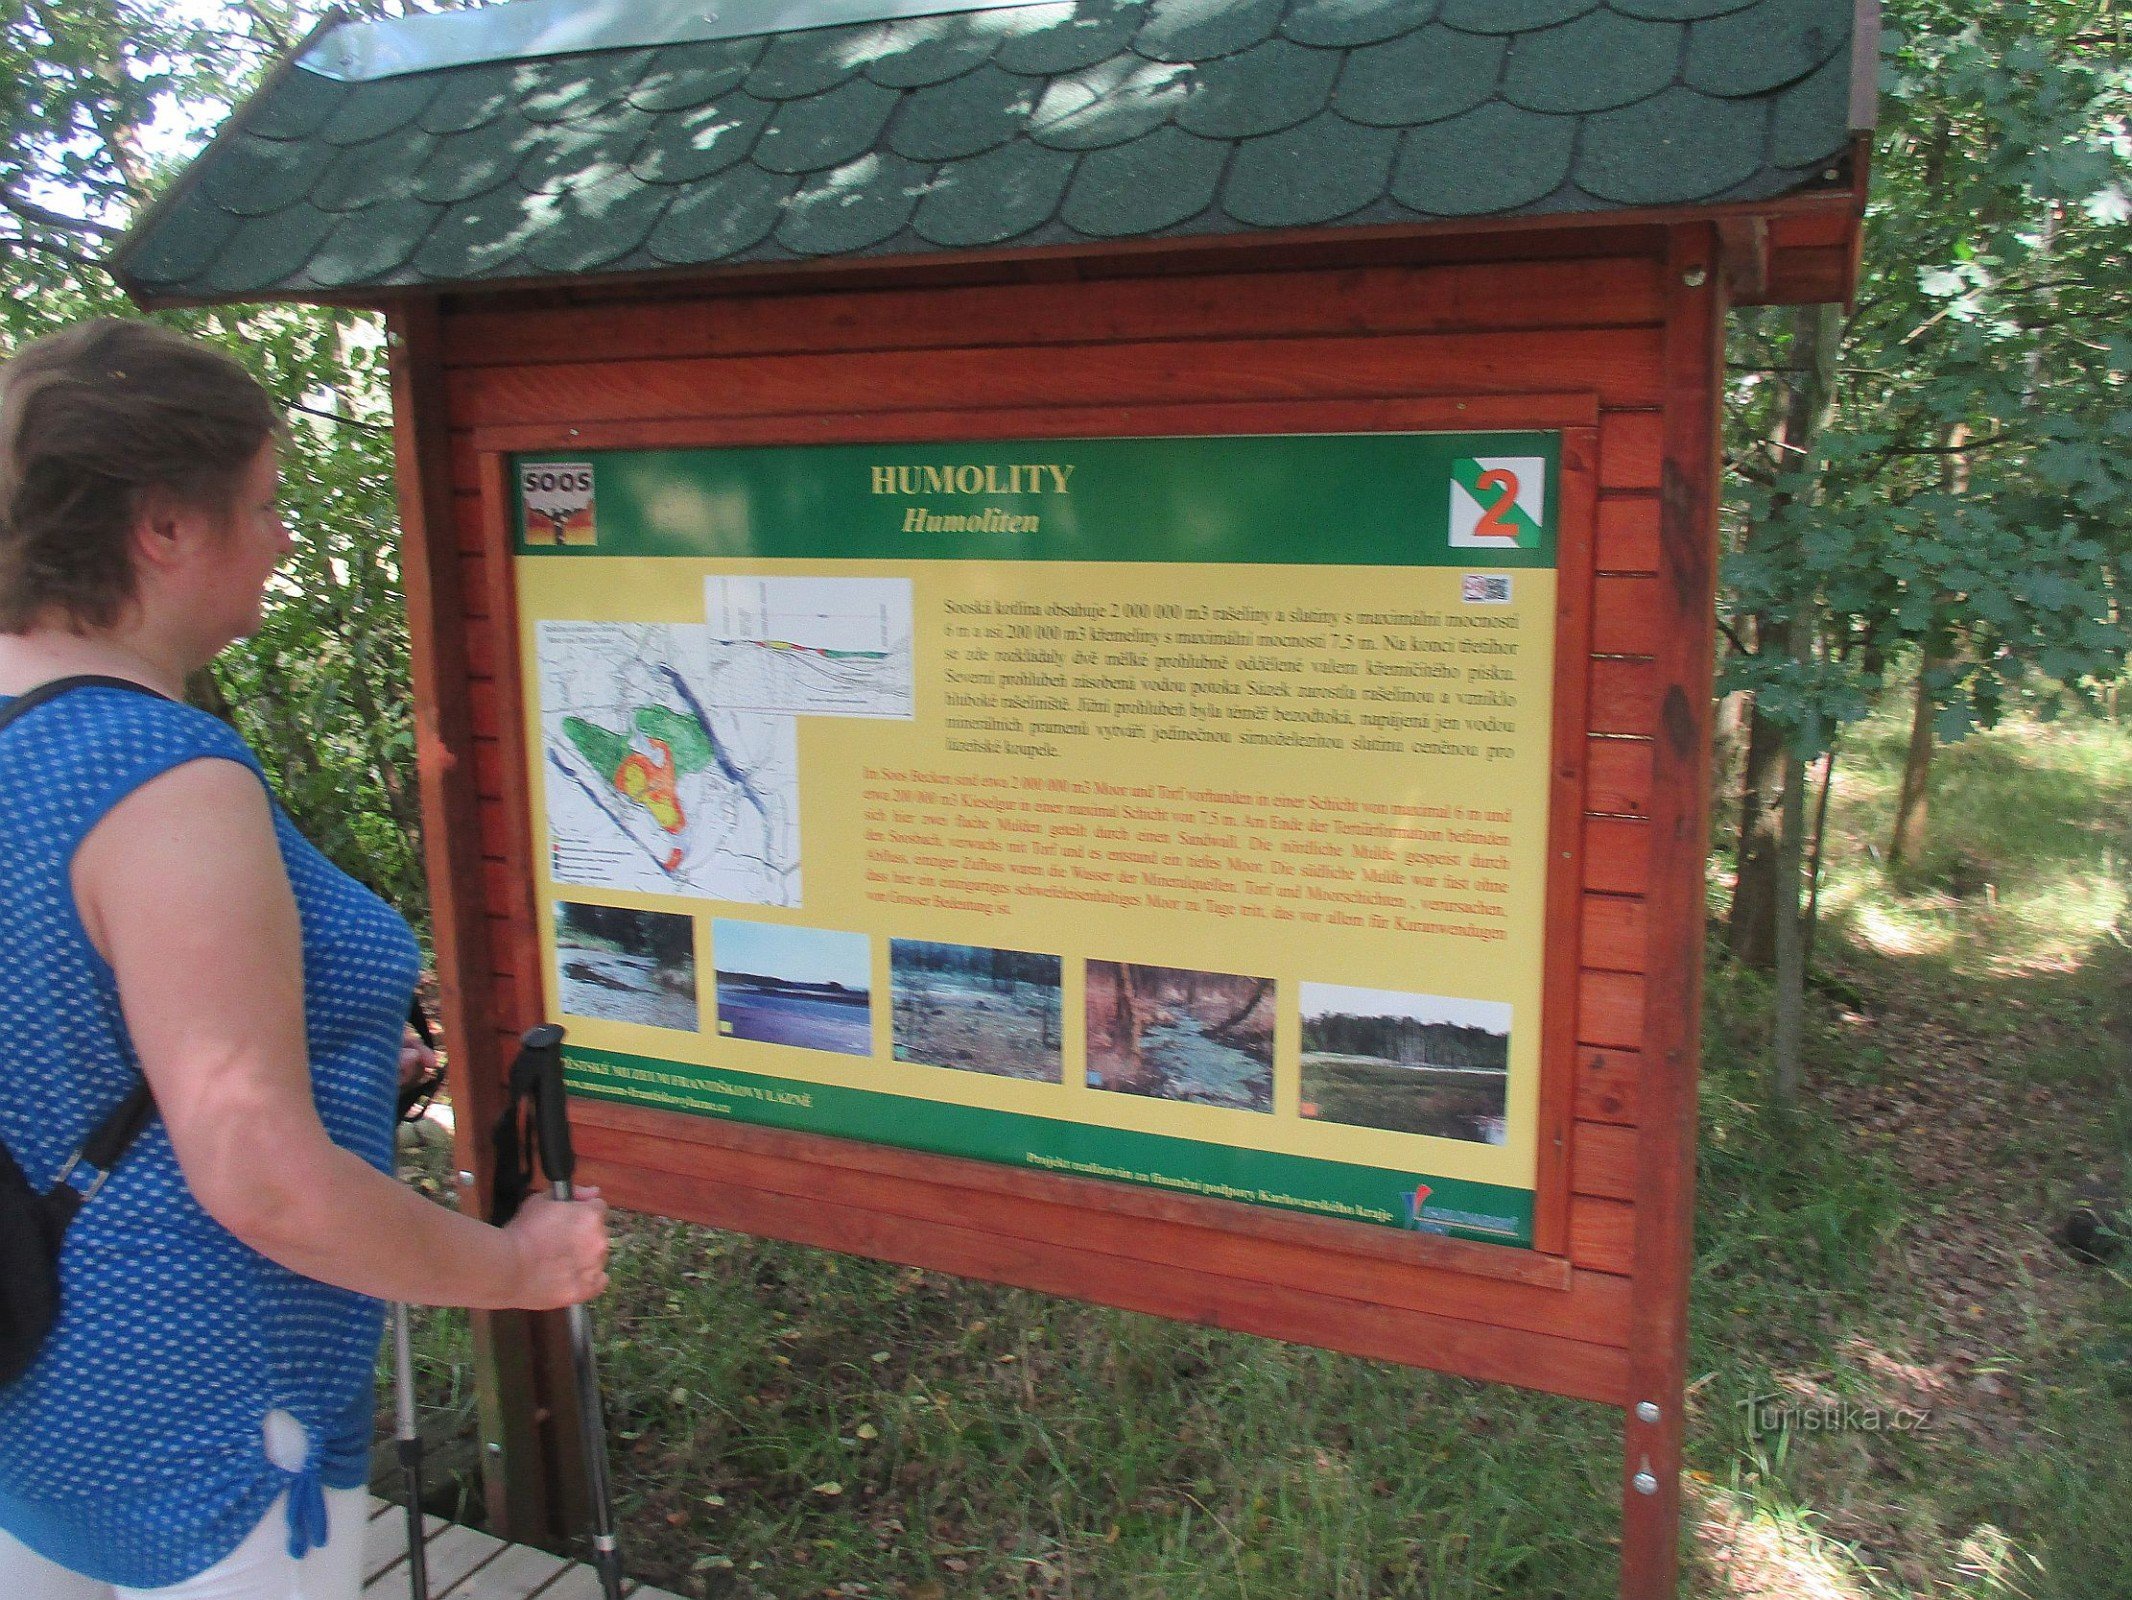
x=1755, y=1553
x=1893, y=930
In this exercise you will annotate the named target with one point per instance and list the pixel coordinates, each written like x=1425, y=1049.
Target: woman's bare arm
x=181, y=887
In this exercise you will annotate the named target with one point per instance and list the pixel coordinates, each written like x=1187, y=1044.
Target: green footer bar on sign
x=1387, y=1198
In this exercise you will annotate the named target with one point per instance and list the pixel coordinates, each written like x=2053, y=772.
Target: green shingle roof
x=1038, y=125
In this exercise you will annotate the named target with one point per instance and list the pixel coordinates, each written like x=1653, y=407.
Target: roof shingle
x=1045, y=124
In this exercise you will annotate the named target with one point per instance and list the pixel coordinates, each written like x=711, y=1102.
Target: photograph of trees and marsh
x=1177, y=1034
x=1413, y=1063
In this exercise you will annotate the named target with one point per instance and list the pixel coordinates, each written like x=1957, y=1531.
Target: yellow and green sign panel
x=1171, y=811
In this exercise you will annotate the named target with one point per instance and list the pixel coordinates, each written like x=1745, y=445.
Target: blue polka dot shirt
x=132, y=1451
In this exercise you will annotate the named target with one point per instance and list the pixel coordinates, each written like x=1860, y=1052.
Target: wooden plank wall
x=831, y=364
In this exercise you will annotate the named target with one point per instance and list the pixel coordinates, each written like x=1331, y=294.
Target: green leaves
x=101, y=99
x=1973, y=487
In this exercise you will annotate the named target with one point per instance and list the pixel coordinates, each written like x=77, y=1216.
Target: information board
x=1165, y=810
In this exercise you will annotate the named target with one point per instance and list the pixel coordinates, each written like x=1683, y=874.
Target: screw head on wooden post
x=1694, y=277
x=1646, y=1481
x=1647, y=1411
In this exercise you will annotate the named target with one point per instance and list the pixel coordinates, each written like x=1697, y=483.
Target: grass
x=790, y=1423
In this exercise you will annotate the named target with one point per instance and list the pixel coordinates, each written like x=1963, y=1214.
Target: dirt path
x=1988, y=1161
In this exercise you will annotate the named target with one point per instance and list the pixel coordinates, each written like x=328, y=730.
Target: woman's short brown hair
x=91, y=418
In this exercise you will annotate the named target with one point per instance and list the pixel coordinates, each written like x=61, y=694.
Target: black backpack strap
x=31, y=699
x=111, y=1138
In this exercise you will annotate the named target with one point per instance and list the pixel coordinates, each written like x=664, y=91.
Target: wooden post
x=1665, y=1180
x=513, y=1455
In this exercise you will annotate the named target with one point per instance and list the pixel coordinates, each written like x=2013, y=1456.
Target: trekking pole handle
x=543, y=1048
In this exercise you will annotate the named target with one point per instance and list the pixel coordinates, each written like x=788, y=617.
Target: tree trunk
x=1752, y=932
x=1259, y=991
x=1912, y=801
x=1788, y=1041
x=1728, y=730
x=1817, y=333
x=1817, y=846
x=1820, y=331
x=1907, y=841
x=1125, y=1018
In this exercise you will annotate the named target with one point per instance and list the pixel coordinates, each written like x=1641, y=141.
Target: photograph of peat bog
x=975, y=1009
x=1413, y=1063
x=1176, y=1034
x=801, y=986
x=626, y=966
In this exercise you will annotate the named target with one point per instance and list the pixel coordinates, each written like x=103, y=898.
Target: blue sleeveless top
x=132, y=1451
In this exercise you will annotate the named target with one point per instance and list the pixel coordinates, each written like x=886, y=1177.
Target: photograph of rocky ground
x=620, y=965
x=976, y=1009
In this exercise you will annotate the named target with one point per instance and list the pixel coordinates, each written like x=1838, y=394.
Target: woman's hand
x=562, y=1246
x=417, y=1060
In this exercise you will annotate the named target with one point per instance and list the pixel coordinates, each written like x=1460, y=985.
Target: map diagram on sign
x=834, y=647
x=656, y=782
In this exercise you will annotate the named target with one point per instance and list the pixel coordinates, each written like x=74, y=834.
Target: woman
x=198, y=1422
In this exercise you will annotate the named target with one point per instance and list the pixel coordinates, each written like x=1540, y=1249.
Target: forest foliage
x=1932, y=487
x=1407, y=1041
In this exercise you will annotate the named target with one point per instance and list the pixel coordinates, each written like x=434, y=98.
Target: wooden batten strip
x=1603, y=1161
x=488, y=767
x=1615, y=938
x=1682, y=644
x=466, y=520
x=1630, y=447
x=1567, y=799
x=1601, y=1234
x=480, y=648
x=1617, y=776
x=1606, y=1086
x=1624, y=696
x=503, y=950
x=1820, y=275
x=1628, y=532
x=1610, y=1007
x=1801, y=229
x=509, y=1346
x=1602, y=292
x=1423, y=414
x=1617, y=855
x=1626, y=611
x=1618, y=363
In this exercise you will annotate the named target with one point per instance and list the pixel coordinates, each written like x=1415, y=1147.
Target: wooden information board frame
x=1610, y=338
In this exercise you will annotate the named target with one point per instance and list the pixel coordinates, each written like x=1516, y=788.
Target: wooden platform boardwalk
x=467, y=1564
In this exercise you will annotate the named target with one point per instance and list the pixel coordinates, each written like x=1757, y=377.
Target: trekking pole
x=407, y=1434
x=410, y=1449
x=542, y=1055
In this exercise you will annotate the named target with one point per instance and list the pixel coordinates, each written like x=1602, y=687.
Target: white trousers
x=260, y=1568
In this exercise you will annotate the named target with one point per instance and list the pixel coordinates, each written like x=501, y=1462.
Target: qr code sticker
x=1486, y=589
